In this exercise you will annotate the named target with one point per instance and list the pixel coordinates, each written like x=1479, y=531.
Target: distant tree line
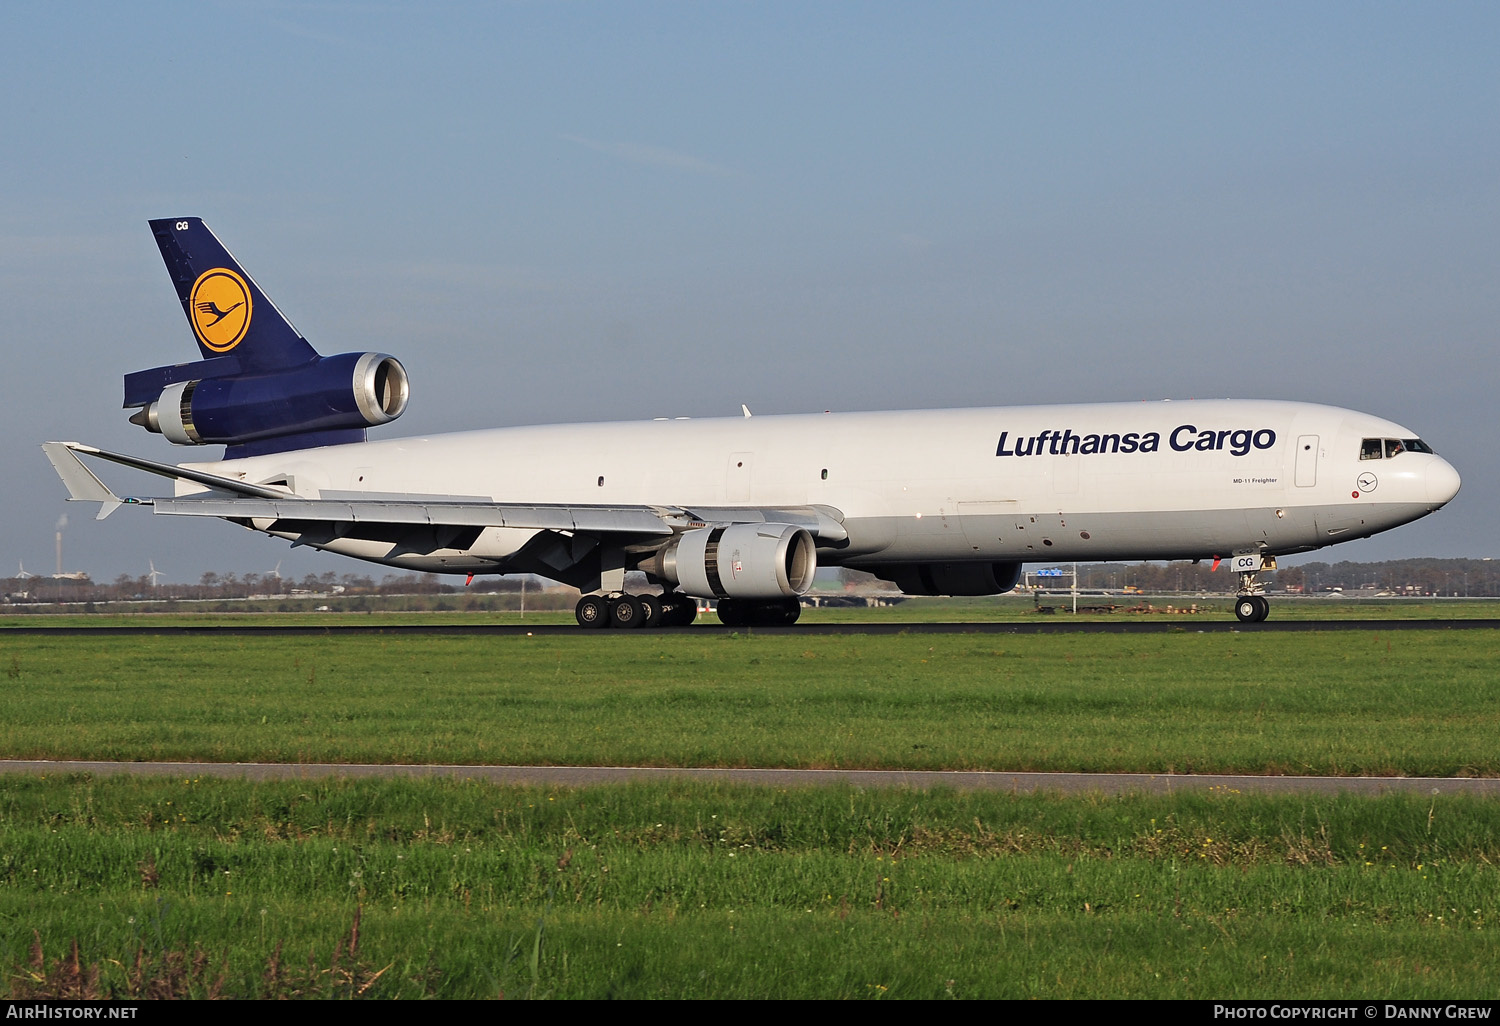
x=213, y=585
x=1447, y=577
x=1443, y=577
x=1450, y=577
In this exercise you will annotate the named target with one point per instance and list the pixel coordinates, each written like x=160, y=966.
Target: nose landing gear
x=1252, y=608
x=1249, y=604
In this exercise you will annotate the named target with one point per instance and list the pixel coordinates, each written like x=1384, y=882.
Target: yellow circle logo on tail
x=220, y=309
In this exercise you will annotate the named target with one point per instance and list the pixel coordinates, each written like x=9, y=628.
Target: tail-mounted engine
x=260, y=386
x=211, y=402
x=743, y=561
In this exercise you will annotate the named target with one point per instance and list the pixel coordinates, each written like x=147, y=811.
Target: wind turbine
x=155, y=573
x=23, y=574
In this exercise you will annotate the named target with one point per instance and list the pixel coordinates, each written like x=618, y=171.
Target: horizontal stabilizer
x=167, y=470
x=142, y=387
x=83, y=486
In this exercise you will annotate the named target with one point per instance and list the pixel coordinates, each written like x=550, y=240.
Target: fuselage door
x=737, y=478
x=1307, y=461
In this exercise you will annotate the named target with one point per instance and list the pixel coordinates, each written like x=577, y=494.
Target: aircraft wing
x=634, y=520
x=594, y=519
x=239, y=500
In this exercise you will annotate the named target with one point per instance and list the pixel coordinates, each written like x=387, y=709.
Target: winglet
x=60, y=452
x=83, y=486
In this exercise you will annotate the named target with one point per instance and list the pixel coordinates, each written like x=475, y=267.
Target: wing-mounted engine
x=212, y=402
x=742, y=561
x=950, y=578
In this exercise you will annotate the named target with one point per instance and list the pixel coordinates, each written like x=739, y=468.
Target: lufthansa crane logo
x=220, y=309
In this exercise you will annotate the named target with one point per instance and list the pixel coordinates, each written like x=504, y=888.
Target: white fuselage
x=1150, y=480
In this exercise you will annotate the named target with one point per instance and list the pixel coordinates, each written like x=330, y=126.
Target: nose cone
x=1442, y=482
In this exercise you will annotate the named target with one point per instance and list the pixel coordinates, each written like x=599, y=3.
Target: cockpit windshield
x=1389, y=448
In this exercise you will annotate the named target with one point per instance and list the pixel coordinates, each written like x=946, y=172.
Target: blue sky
x=561, y=211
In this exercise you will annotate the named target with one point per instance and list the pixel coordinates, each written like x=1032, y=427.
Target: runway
x=582, y=776
x=1164, y=624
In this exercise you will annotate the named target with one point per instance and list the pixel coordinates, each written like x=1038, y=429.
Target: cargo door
x=737, y=477
x=1307, y=461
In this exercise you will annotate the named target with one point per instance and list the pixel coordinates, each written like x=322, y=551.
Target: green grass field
x=431, y=888
x=682, y=890
x=1412, y=703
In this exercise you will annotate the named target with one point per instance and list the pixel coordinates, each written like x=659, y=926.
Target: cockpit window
x=1389, y=448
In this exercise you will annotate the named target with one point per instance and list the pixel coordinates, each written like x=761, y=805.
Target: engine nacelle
x=743, y=561
x=951, y=578
x=351, y=390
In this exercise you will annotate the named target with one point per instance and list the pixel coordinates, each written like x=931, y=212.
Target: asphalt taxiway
x=1165, y=624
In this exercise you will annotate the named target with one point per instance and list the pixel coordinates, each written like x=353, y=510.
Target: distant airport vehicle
x=739, y=510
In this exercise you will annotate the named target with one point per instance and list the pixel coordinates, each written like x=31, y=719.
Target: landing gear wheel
x=785, y=612
x=678, y=610
x=653, y=611
x=592, y=611
x=1250, y=605
x=626, y=612
x=768, y=613
x=1252, y=608
x=733, y=614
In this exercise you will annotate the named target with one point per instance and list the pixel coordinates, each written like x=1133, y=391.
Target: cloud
x=654, y=156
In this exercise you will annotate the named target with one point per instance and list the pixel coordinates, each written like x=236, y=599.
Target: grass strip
x=439, y=888
x=1413, y=703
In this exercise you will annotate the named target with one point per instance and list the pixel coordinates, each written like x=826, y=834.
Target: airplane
x=739, y=510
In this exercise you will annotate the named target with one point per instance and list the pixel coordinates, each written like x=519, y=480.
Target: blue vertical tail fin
x=225, y=308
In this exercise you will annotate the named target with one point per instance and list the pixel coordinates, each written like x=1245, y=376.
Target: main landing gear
x=769, y=613
x=631, y=611
x=676, y=610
